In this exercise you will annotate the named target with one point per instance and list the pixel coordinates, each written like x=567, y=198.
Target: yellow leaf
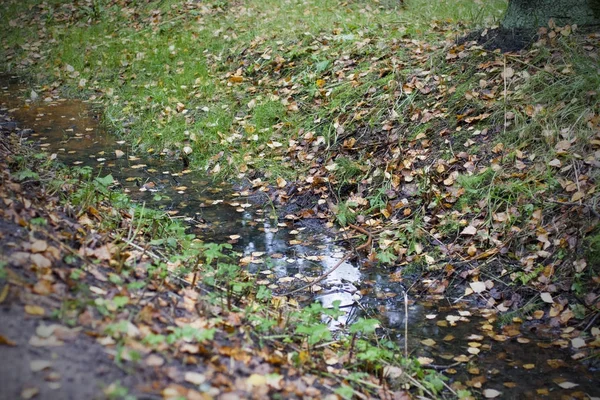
x=256, y=380
x=428, y=342
x=4, y=293
x=34, y=310
x=578, y=195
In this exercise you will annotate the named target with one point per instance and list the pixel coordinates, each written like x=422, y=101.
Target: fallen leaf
x=547, y=297
x=428, y=342
x=256, y=380
x=577, y=343
x=478, y=287
x=567, y=385
x=29, y=392
x=491, y=393
x=194, y=378
x=469, y=230
x=34, y=310
x=424, y=360
x=39, y=246
x=392, y=371
x=4, y=341
x=39, y=365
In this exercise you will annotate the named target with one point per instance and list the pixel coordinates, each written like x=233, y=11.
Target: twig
x=405, y=325
x=442, y=367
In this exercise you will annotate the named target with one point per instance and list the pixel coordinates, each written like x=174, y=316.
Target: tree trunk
x=530, y=14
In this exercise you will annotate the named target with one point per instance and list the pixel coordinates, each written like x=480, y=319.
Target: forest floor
x=470, y=170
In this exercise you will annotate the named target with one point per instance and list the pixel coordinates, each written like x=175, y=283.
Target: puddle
x=522, y=361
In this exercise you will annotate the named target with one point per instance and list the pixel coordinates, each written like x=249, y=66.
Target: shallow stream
x=524, y=359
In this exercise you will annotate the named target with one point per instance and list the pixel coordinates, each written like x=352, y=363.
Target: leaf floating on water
x=39, y=365
x=567, y=385
x=425, y=360
x=29, y=392
x=4, y=341
x=491, y=393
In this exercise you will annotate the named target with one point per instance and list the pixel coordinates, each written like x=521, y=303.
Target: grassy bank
x=456, y=158
x=93, y=270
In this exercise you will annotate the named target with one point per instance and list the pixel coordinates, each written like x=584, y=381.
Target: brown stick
x=343, y=260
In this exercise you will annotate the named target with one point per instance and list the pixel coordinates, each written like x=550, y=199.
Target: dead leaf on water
x=491, y=393
x=39, y=365
x=29, y=392
x=4, y=341
x=567, y=385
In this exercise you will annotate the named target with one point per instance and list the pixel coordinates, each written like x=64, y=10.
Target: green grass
x=140, y=71
x=275, y=89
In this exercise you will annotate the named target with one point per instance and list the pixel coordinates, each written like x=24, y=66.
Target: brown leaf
x=34, y=310
x=39, y=246
x=43, y=287
x=4, y=341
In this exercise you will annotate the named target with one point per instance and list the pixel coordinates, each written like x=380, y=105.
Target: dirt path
x=40, y=356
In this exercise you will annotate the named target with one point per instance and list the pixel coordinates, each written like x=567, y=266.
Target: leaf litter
x=529, y=234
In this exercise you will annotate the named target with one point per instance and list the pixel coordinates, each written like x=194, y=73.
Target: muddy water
x=521, y=360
